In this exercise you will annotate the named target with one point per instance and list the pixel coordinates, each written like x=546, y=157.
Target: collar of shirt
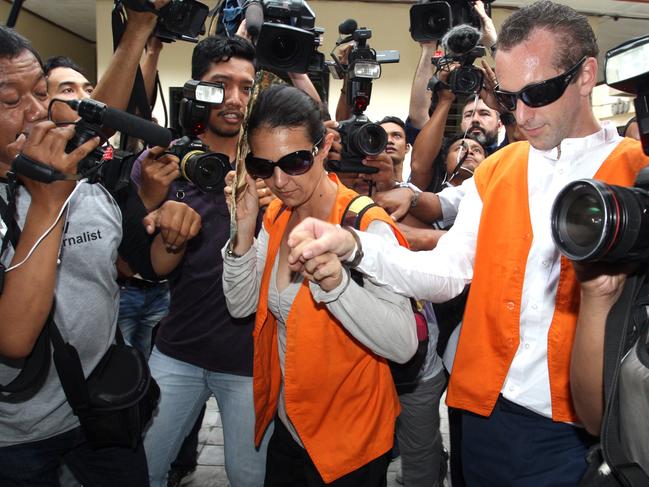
x=572, y=147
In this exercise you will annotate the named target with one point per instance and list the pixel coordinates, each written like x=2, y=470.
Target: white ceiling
x=619, y=21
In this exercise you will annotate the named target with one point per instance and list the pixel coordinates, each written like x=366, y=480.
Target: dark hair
x=392, y=119
x=286, y=106
x=446, y=147
x=61, y=62
x=576, y=38
x=471, y=99
x=218, y=49
x=13, y=44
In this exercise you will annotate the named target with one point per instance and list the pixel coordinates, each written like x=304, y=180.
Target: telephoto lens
x=594, y=221
x=206, y=170
x=369, y=139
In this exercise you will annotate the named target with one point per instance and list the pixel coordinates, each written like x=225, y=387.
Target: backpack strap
x=352, y=217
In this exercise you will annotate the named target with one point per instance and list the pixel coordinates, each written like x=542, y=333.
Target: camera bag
x=621, y=459
x=115, y=403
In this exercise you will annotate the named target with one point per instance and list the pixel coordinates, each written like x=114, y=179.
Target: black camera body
x=359, y=136
x=461, y=46
x=178, y=20
x=429, y=21
x=288, y=38
x=197, y=164
x=595, y=221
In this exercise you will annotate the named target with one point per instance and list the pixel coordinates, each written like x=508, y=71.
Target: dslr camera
x=595, y=221
x=178, y=20
x=205, y=169
x=359, y=136
x=287, y=38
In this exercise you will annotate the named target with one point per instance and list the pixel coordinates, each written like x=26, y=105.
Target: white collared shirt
x=441, y=274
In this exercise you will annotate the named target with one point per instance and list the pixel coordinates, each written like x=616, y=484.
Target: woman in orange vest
x=321, y=341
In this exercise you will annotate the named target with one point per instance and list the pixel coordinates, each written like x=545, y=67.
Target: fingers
x=178, y=223
x=400, y=211
x=83, y=150
x=151, y=221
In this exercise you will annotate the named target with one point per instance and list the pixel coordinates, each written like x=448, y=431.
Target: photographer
x=511, y=375
x=38, y=428
x=200, y=349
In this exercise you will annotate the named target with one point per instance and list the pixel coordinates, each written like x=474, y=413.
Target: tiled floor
x=211, y=471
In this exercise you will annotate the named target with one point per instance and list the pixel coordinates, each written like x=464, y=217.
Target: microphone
x=347, y=27
x=461, y=39
x=254, y=18
x=95, y=112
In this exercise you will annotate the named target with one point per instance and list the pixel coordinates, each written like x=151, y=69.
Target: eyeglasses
x=538, y=94
x=295, y=163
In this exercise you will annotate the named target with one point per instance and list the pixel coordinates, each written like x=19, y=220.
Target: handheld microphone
x=95, y=112
x=254, y=18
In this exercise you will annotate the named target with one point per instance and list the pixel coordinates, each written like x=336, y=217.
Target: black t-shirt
x=199, y=330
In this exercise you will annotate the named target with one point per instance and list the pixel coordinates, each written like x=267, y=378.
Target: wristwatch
x=415, y=192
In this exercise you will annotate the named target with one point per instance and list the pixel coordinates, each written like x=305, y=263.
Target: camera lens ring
x=370, y=139
x=585, y=220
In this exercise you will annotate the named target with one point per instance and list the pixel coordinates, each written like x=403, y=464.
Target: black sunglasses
x=295, y=163
x=538, y=94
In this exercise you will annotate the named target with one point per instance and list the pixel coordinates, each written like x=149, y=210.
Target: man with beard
x=200, y=350
x=483, y=122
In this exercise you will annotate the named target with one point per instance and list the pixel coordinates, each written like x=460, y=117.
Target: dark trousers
x=37, y=464
x=515, y=447
x=289, y=465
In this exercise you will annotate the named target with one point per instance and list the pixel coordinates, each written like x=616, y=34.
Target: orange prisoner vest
x=340, y=396
x=490, y=330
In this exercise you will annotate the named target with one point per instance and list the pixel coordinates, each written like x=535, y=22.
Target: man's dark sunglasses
x=538, y=94
x=295, y=163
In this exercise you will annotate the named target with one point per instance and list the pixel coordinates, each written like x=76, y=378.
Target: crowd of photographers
x=326, y=325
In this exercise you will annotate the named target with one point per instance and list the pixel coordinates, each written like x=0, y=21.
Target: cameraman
x=38, y=430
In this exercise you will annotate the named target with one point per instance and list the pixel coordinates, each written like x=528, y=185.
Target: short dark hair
x=217, y=49
x=61, y=62
x=393, y=119
x=446, y=146
x=286, y=106
x=576, y=37
x=12, y=44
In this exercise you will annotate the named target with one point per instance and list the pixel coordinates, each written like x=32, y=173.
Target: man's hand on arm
x=178, y=223
x=28, y=290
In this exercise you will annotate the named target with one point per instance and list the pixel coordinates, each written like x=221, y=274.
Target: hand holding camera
x=46, y=145
x=159, y=170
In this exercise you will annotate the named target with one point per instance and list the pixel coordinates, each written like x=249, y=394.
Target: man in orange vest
x=512, y=368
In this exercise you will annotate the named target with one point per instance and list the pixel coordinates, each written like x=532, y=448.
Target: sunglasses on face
x=294, y=164
x=538, y=94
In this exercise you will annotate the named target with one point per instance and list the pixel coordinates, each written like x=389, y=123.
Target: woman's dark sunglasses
x=538, y=94
x=295, y=163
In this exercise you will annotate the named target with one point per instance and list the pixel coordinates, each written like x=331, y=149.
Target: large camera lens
x=594, y=221
x=369, y=139
x=466, y=80
x=206, y=170
x=284, y=48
